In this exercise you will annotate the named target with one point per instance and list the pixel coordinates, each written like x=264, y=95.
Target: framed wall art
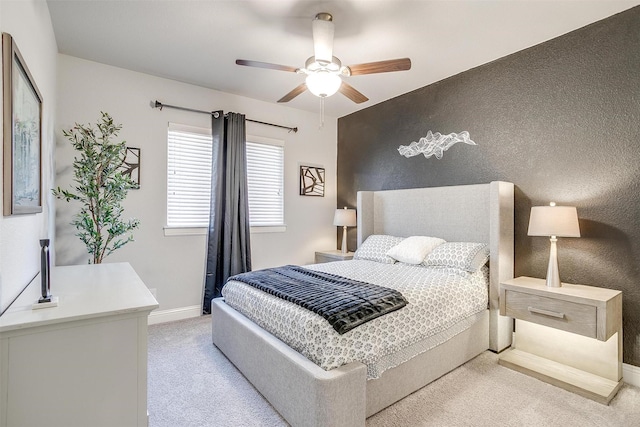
x=312, y=181
x=131, y=166
x=22, y=134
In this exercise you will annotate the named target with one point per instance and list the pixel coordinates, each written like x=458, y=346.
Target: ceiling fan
x=324, y=71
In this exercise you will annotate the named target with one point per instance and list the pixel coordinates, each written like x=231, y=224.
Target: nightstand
x=329, y=256
x=570, y=336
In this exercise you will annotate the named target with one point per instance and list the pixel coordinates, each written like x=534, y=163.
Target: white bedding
x=441, y=304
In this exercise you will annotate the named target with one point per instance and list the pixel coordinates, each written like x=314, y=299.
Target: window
x=189, y=179
x=265, y=181
x=188, y=176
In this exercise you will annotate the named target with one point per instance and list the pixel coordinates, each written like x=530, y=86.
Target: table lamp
x=554, y=221
x=345, y=218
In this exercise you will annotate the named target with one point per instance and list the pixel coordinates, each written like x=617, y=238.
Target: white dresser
x=84, y=362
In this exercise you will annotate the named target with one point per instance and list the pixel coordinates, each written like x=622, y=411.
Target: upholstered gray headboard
x=461, y=213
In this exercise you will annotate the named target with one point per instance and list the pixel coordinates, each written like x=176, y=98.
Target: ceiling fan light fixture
x=323, y=83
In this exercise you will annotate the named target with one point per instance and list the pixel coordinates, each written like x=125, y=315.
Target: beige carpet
x=191, y=383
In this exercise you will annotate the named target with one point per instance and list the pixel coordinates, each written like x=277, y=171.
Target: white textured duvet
x=441, y=304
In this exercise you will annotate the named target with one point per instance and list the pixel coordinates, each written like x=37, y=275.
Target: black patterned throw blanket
x=343, y=302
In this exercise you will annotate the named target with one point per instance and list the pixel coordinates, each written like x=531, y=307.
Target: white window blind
x=189, y=178
x=265, y=181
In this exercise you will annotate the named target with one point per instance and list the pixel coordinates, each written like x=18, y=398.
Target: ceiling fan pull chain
x=321, y=112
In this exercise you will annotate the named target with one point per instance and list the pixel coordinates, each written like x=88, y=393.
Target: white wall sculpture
x=434, y=144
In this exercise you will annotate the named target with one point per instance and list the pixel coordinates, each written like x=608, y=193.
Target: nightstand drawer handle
x=546, y=312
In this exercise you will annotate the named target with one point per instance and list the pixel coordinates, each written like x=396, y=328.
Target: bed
x=307, y=395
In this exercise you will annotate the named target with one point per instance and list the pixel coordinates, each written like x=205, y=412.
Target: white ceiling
x=198, y=42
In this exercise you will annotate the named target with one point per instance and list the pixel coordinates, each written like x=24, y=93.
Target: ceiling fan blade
x=350, y=92
x=297, y=91
x=323, y=30
x=401, y=64
x=267, y=65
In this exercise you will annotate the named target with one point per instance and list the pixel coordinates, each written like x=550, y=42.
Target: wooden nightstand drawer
x=589, y=311
x=567, y=316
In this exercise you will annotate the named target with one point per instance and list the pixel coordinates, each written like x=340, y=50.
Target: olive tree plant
x=100, y=187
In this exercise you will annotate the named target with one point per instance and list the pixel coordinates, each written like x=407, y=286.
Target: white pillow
x=414, y=249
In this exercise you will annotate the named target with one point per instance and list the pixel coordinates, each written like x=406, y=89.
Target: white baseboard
x=631, y=374
x=173, y=314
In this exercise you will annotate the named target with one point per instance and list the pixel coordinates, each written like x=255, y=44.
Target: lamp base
x=53, y=302
x=553, y=274
x=553, y=283
x=344, y=240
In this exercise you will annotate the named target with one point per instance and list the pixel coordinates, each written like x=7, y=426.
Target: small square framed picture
x=312, y=181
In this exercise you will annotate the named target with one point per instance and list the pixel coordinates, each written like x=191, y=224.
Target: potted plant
x=100, y=187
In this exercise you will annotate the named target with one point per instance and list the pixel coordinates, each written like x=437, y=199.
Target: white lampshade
x=323, y=83
x=345, y=217
x=559, y=221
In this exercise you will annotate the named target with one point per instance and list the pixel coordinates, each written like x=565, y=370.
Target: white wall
x=29, y=23
x=174, y=265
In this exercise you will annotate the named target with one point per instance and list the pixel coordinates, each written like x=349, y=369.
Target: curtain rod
x=160, y=105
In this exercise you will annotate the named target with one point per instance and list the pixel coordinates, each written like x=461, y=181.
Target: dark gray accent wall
x=561, y=120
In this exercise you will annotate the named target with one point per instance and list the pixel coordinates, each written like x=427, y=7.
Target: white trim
x=201, y=231
x=173, y=314
x=268, y=229
x=185, y=231
x=186, y=128
x=264, y=140
x=631, y=374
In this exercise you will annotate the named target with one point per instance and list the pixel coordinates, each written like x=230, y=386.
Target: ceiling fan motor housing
x=323, y=29
x=312, y=65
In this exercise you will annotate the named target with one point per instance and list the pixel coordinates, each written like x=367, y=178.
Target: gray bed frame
x=306, y=395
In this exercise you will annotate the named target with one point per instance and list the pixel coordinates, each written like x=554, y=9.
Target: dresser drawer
x=569, y=316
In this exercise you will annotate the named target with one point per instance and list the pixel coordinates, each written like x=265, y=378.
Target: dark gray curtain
x=228, y=246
